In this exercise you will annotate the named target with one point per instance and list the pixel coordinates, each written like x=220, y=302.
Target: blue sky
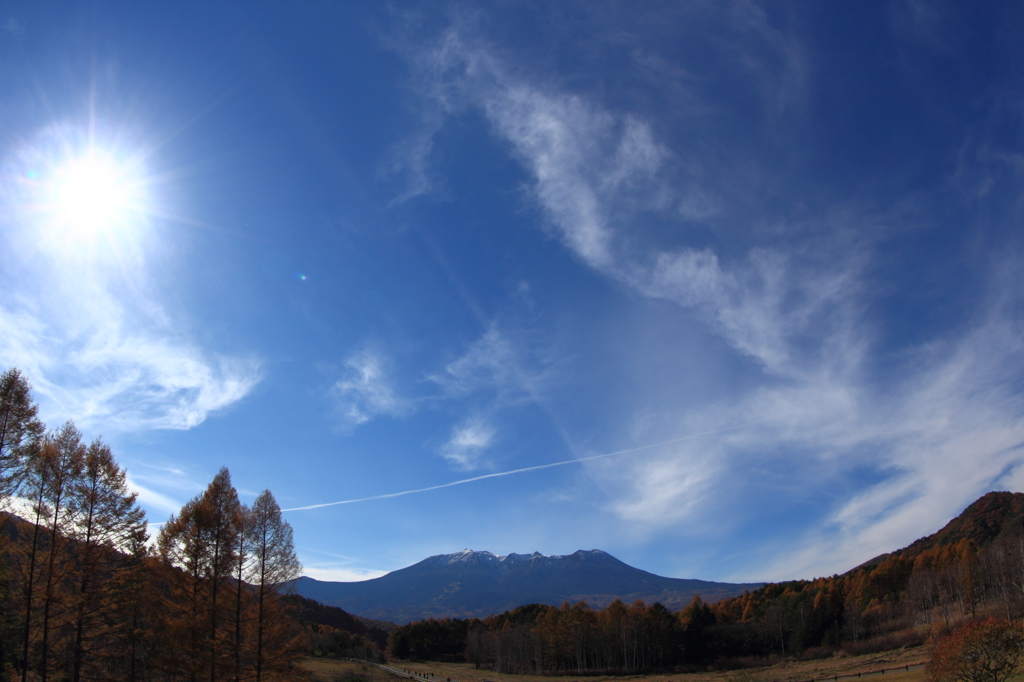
x=768, y=253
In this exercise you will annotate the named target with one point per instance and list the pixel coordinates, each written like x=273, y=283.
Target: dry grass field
x=788, y=671
x=328, y=670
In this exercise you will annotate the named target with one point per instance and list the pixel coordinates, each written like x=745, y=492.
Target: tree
x=201, y=541
x=20, y=434
x=49, y=478
x=224, y=519
x=694, y=620
x=182, y=543
x=110, y=530
x=476, y=652
x=20, y=428
x=980, y=651
x=37, y=483
x=274, y=566
x=242, y=594
x=62, y=456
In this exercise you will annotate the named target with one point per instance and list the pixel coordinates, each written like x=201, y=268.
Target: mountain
x=475, y=584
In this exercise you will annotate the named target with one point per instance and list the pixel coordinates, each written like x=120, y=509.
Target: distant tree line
x=900, y=600
x=546, y=639
x=82, y=596
x=328, y=642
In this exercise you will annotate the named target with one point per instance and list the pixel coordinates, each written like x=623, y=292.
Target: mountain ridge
x=472, y=583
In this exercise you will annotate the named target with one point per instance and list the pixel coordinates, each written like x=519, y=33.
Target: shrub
x=982, y=651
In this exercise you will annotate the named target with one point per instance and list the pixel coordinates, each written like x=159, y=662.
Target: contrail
x=517, y=471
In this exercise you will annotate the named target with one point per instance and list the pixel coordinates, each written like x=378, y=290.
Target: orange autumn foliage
x=979, y=651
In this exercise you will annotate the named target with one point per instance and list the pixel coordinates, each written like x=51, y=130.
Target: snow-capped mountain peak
x=470, y=556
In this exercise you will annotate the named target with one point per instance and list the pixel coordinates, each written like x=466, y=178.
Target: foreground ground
x=789, y=671
x=328, y=670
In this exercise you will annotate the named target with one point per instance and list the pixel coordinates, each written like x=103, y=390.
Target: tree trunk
x=29, y=586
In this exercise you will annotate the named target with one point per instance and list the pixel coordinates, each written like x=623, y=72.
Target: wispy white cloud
x=498, y=371
x=595, y=173
x=341, y=575
x=560, y=138
x=666, y=488
x=163, y=488
x=938, y=437
x=468, y=442
x=495, y=369
x=168, y=469
x=116, y=370
x=154, y=500
x=365, y=390
x=492, y=362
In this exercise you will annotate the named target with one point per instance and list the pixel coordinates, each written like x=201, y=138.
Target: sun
x=93, y=193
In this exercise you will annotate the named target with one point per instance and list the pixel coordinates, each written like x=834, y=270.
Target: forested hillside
x=973, y=567
x=83, y=597
x=312, y=612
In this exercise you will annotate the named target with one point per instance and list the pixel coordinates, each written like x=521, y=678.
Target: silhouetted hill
x=310, y=611
x=385, y=625
x=475, y=584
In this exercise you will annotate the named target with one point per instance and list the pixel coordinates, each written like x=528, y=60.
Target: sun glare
x=91, y=194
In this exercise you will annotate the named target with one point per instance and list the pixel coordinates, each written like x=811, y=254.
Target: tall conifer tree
x=201, y=540
x=109, y=529
x=183, y=544
x=63, y=454
x=20, y=429
x=274, y=565
x=36, y=487
x=225, y=524
x=20, y=434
